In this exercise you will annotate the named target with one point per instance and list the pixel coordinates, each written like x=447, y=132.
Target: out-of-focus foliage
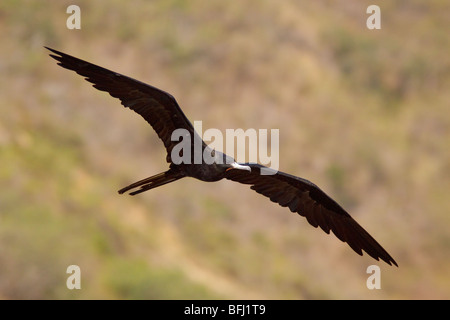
x=362, y=113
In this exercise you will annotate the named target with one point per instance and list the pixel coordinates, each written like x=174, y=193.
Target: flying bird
x=162, y=112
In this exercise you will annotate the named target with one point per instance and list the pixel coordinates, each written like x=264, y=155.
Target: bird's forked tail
x=153, y=181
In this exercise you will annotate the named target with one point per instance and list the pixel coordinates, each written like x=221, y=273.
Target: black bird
x=162, y=112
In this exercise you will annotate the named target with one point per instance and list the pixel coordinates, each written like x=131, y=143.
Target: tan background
x=364, y=114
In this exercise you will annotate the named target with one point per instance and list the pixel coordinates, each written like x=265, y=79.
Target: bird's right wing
x=308, y=200
x=157, y=107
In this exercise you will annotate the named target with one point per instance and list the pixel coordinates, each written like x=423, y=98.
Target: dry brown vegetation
x=364, y=114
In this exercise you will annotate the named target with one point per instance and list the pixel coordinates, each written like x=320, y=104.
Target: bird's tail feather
x=153, y=181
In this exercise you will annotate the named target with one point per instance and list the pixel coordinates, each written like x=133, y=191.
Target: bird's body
x=162, y=112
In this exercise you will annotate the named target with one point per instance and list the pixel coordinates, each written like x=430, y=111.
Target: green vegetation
x=364, y=114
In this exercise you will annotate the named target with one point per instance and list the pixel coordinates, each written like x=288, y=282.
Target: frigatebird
x=162, y=112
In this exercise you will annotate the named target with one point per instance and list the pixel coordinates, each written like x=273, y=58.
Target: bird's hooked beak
x=236, y=165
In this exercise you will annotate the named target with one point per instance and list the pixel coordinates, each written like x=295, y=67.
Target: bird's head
x=226, y=162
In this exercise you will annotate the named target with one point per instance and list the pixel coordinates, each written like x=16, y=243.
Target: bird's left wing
x=308, y=200
x=157, y=107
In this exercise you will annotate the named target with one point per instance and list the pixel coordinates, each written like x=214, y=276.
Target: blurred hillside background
x=362, y=113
